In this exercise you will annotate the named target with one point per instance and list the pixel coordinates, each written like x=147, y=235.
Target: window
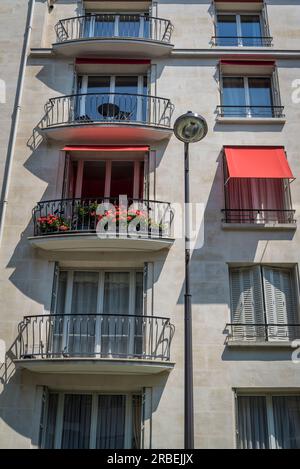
x=98, y=314
x=117, y=24
x=265, y=421
x=104, y=178
x=247, y=97
x=240, y=30
x=112, y=98
x=83, y=421
x=264, y=303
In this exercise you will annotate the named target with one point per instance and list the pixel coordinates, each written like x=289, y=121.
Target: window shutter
x=146, y=176
x=280, y=301
x=65, y=191
x=246, y=302
x=54, y=289
x=148, y=289
x=146, y=427
x=42, y=427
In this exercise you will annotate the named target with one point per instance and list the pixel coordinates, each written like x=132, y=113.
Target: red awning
x=106, y=148
x=257, y=162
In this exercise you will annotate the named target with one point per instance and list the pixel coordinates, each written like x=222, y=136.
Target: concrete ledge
x=111, y=366
x=247, y=344
x=41, y=52
x=259, y=226
x=251, y=120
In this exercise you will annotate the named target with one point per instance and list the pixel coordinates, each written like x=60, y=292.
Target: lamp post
x=188, y=128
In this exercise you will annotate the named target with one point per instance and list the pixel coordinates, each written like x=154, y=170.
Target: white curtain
x=81, y=329
x=111, y=422
x=116, y=331
x=252, y=423
x=287, y=421
x=76, y=421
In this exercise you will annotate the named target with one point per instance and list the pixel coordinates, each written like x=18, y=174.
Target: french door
x=129, y=25
x=99, y=314
x=115, y=97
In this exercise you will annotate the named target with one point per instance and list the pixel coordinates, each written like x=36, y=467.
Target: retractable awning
x=105, y=148
x=257, y=162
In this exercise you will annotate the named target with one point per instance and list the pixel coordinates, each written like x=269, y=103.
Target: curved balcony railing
x=107, y=108
x=242, y=41
x=250, y=111
x=108, y=217
x=95, y=336
x=122, y=26
x=258, y=216
x=260, y=332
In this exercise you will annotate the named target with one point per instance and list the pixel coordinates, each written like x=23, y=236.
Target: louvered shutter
x=146, y=419
x=280, y=302
x=247, y=303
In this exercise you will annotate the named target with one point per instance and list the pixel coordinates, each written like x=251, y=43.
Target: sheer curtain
x=252, y=422
x=234, y=96
x=287, y=421
x=76, y=421
x=116, y=330
x=81, y=330
x=111, y=422
x=256, y=194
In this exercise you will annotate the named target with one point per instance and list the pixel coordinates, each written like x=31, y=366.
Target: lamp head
x=190, y=127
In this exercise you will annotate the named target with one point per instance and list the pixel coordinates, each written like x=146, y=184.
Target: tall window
x=112, y=97
x=264, y=303
x=247, y=96
x=100, y=421
x=99, y=314
x=239, y=30
x=129, y=25
x=266, y=421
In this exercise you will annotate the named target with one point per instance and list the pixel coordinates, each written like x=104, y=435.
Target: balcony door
x=112, y=98
x=107, y=25
x=99, y=314
x=96, y=179
x=247, y=97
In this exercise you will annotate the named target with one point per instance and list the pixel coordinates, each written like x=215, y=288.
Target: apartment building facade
x=92, y=318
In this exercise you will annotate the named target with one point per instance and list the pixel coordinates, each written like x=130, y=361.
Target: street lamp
x=188, y=128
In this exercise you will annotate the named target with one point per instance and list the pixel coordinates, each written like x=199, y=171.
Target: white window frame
x=100, y=303
x=83, y=89
x=269, y=411
x=94, y=414
x=246, y=89
x=108, y=168
x=239, y=24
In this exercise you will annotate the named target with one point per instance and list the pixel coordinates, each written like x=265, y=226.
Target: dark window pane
x=287, y=421
x=227, y=30
x=122, y=175
x=76, y=421
x=51, y=421
x=252, y=423
x=111, y=422
x=93, y=181
x=234, y=96
x=251, y=30
x=260, y=94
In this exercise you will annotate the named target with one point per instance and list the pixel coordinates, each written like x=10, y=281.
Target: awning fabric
x=257, y=162
x=105, y=148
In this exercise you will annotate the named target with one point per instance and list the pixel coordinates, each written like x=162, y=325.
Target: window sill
x=251, y=120
x=257, y=344
x=259, y=226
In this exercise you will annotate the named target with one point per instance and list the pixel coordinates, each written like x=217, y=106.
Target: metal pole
x=188, y=346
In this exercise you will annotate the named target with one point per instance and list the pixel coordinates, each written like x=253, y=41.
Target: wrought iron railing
x=106, y=216
x=95, y=336
x=97, y=26
x=260, y=332
x=258, y=216
x=242, y=41
x=250, y=111
x=107, y=108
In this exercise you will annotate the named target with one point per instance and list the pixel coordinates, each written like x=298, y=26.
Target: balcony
x=95, y=343
x=107, y=117
x=242, y=41
x=102, y=224
x=259, y=219
x=114, y=35
x=252, y=334
x=250, y=114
